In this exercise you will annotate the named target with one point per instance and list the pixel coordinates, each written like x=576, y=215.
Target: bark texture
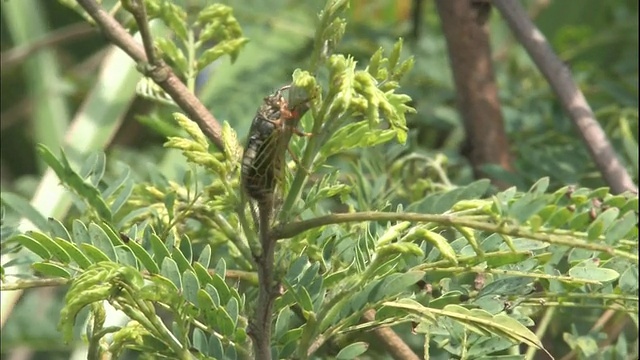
x=467, y=36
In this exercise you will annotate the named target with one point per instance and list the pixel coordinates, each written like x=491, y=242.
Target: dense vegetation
x=118, y=196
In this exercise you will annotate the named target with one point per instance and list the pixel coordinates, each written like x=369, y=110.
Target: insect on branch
x=263, y=166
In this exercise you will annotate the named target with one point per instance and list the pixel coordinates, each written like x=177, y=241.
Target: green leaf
x=352, y=351
x=230, y=47
x=215, y=347
x=475, y=190
x=56, y=229
x=525, y=207
x=224, y=321
x=355, y=135
x=498, y=259
x=205, y=256
x=203, y=275
x=593, y=273
x=200, y=341
x=185, y=248
x=629, y=280
x=474, y=320
x=94, y=253
x=113, y=235
x=579, y=221
x=33, y=245
x=282, y=323
x=190, y=286
x=221, y=286
x=599, y=193
x=24, y=208
x=51, y=246
x=233, y=310
x=395, y=284
x=126, y=256
x=75, y=253
x=181, y=261
x=143, y=256
x=98, y=169
x=101, y=240
x=560, y=217
x=80, y=233
x=169, y=49
x=160, y=250
x=440, y=243
x=169, y=269
x=69, y=177
x=123, y=196
x=630, y=205
x=621, y=227
x=204, y=300
x=221, y=268
x=444, y=201
x=213, y=294
x=305, y=299
x=540, y=186
x=51, y=270
x=507, y=286
x=117, y=184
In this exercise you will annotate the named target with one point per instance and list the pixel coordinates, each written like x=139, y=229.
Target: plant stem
x=572, y=99
x=390, y=340
x=33, y=283
x=479, y=269
x=162, y=75
x=292, y=229
x=260, y=325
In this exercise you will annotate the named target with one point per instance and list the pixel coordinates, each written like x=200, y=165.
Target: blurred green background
x=63, y=86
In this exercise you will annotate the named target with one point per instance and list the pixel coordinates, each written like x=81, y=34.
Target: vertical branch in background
x=477, y=94
x=570, y=96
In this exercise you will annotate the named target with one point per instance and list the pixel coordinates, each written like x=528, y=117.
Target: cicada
x=263, y=161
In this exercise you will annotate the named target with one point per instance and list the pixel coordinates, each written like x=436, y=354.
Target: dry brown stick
x=571, y=98
x=467, y=36
x=394, y=345
x=159, y=72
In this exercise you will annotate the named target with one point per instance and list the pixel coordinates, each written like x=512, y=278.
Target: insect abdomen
x=260, y=163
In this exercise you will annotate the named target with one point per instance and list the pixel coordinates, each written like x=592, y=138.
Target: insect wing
x=262, y=161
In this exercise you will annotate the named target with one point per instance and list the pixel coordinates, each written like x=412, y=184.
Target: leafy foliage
x=471, y=270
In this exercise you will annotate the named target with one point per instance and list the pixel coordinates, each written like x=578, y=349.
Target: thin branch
x=393, y=343
x=295, y=228
x=571, y=98
x=73, y=32
x=260, y=324
x=33, y=283
x=139, y=12
x=159, y=72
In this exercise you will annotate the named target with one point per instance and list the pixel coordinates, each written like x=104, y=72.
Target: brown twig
x=260, y=325
x=467, y=36
x=158, y=71
x=394, y=345
x=571, y=98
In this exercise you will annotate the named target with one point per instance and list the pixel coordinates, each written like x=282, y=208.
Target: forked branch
x=162, y=74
